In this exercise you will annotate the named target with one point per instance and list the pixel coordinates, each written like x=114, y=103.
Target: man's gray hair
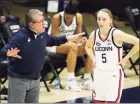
x=29, y=17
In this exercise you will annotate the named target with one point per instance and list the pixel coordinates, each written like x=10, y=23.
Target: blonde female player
x=106, y=43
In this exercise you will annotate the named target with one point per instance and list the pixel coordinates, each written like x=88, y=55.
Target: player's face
x=103, y=20
x=69, y=17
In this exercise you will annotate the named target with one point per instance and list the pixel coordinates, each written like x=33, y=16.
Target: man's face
x=38, y=24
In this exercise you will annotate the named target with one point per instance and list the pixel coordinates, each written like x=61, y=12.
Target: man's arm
x=55, y=25
x=56, y=41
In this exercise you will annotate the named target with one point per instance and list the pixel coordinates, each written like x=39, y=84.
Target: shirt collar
x=35, y=32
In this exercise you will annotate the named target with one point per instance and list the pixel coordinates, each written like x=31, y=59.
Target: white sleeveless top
x=107, y=52
x=63, y=28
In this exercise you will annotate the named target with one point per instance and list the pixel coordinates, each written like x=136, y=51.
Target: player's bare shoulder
x=79, y=15
x=117, y=33
x=56, y=18
x=92, y=34
x=91, y=41
x=118, y=36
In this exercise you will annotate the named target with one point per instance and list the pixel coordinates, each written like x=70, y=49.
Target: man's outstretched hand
x=75, y=37
x=13, y=53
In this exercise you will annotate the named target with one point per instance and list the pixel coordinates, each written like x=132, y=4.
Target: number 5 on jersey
x=104, y=58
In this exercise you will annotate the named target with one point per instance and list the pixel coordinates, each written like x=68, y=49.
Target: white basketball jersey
x=67, y=30
x=63, y=28
x=107, y=52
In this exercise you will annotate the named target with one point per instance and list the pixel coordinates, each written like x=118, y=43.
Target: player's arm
x=55, y=25
x=79, y=28
x=124, y=37
x=79, y=23
x=89, y=47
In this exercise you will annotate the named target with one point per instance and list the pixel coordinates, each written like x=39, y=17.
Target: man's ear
x=31, y=25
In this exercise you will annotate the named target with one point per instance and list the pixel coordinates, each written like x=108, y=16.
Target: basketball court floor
x=63, y=95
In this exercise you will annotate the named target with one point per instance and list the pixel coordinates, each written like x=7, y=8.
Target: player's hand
x=75, y=37
x=123, y=62
x=13, y=53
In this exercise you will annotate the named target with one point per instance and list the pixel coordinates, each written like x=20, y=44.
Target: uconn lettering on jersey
x=68, y=31
x=103, y=48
